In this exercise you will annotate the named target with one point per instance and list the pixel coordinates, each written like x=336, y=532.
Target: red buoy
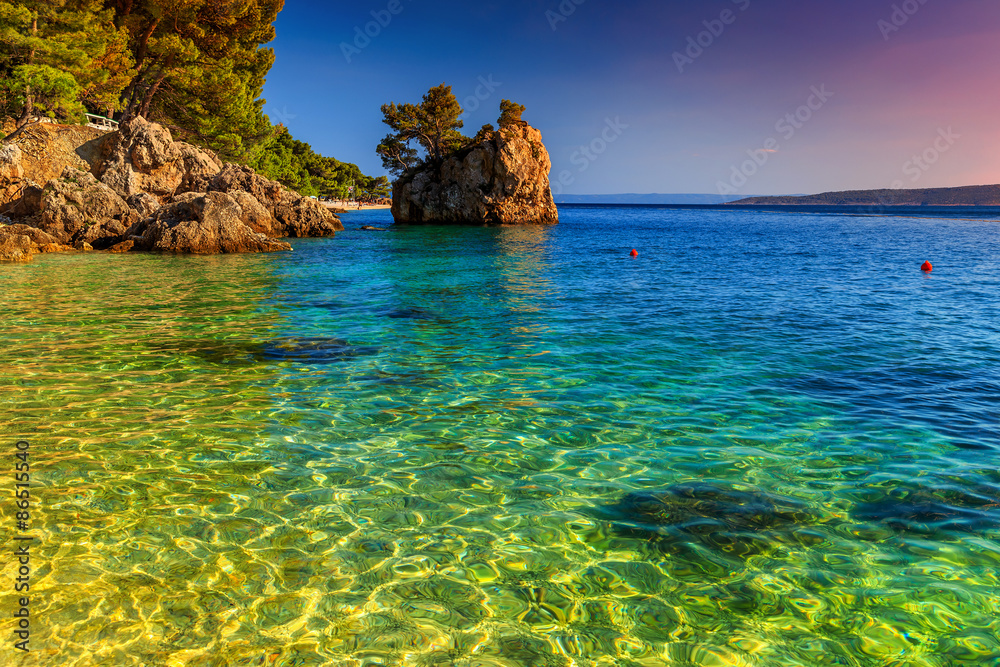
x=634, y=253
x=927, y=267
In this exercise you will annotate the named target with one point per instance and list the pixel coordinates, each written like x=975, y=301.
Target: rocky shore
x=70, y=188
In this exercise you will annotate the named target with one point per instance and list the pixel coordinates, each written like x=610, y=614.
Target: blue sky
x=753, y=96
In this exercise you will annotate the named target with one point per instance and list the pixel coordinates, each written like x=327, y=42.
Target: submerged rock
x=929, y=510
x=503, y=180
x=201, y=224
x=721, y=517
x=314, y=350
x=410, y=313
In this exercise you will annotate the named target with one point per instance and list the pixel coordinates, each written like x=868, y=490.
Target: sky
x=639, y=96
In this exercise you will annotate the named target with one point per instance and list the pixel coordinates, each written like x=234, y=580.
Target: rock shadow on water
x=712, y=516
x=313, y=351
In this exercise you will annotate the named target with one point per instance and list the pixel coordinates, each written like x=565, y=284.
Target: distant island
x=973, y=195
x=646, y=199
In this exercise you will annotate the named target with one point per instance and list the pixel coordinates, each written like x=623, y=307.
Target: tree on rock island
x=434, y=126
x=510, y=114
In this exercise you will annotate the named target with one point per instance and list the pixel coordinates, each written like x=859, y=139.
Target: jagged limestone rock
x=502, y=180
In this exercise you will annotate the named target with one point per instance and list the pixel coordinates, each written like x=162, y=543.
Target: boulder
x=143, y=157
x=255, y=216
x=78, y=209
x=15, y=247
x=143, y=203
x=124, y=246
x=101, y=235
x=294, y=216
x=200, y=224
x=502, y=180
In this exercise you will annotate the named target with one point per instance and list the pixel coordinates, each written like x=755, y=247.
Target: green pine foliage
x=53, y=54
x=433, y=124
x=195, y=66
x=294, y=164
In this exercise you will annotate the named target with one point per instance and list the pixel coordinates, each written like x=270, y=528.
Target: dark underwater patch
x=930, y=510
x=722, y=518
x=314, y=350
x=408, y=313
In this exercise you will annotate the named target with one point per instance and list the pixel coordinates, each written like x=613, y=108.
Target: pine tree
x=51, y=54
x=434, y=124
x=510, y=114
x=201, y=68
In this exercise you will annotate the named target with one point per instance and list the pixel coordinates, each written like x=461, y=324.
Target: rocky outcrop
x=293, y=216
x=107, y=184
x=142, y=157
x=78, y=209
x=201, y=224
x=502, y=180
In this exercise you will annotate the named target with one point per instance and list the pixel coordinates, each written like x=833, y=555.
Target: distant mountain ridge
x=655, y=198
x=972, y=195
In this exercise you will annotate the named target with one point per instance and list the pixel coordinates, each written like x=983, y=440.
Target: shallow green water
x=768, y=441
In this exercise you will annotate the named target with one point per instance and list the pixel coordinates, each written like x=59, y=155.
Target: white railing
x=101, y=123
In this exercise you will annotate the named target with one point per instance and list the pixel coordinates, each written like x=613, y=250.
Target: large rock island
x=64, y=187
x=502, y=179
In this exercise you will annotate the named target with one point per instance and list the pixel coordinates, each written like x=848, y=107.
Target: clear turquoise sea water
x=769, y=440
